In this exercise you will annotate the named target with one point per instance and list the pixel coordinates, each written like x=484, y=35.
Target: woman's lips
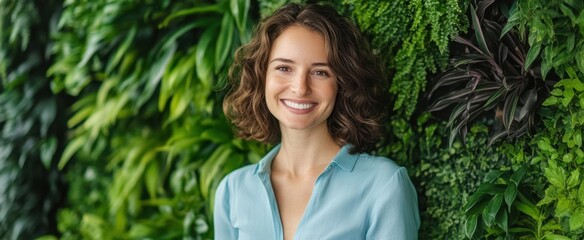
x=299, y=106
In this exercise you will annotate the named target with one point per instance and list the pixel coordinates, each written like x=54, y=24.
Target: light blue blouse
x=358, y=196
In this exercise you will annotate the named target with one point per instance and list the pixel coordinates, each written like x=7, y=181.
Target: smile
x=299, y=106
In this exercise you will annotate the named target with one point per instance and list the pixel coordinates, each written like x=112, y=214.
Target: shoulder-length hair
x=358, y=115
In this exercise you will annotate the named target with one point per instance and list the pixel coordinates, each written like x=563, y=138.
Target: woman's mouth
x=299, y=106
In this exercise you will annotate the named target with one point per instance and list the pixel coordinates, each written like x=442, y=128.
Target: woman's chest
x=327, y=211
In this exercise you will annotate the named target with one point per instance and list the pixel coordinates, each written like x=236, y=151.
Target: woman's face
x=300, y=85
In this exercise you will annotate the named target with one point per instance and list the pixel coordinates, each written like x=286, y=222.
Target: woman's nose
x=300, y=86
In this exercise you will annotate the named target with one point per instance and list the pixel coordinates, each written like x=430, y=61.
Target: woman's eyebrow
x=323, y=64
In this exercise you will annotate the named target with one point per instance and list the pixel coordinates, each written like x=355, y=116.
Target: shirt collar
x=345, y=160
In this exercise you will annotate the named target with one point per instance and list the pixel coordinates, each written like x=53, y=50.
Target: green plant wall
x=31, y=130
x=112, y=125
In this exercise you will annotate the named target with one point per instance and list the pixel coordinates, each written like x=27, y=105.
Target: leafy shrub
x=448, y=177
x=491, y=76
x=412, y=36
x=148, y=144
x=552, y=35
x=30, y=129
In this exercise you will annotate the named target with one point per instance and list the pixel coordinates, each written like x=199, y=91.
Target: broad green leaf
x=564, y=207
x=567, y=98
x=568, y=157
x=518, y=175
x=475, y=207
x=556, y=237
x=470, y=226
x=510, y=194
x=527, y=209
x=550, y=101
x=532, y=54
x=574, y=178
x=493, y=175
x=556, y=176
x=544, y=144
x=577, y=219
x=502, y=220
x=492, y=209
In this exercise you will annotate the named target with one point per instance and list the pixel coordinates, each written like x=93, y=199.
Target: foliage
x=560, y=154
x=412, y=36
x=490, y=76
x=29, y=137
x=505, y=208
x=147, y=146
x=552, y=34
x=146, y=142
x=555, y=153
x=448, y=176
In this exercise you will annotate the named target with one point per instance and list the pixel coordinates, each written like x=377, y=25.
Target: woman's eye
x=321, y=73
x=283, y=68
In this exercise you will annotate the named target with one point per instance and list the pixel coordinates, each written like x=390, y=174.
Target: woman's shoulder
x=377, y=165
x=240, y=175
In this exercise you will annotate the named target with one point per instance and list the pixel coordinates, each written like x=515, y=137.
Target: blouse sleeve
x=221, y=213
x=395, y=212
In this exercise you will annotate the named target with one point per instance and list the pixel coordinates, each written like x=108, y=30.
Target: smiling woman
x=308, y=81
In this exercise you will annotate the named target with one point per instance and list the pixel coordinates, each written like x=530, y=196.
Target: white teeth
x=300, y=106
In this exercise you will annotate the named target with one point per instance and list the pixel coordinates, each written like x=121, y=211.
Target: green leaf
x=152, y=178
x=574, y=178
x=564, y=207
x=518, y=175
x=556, y=237
x=567, y=98
x=550, y=101
x=240, y=9
x=581, y=193
x=532, y=54
x=577, y=219
x=191, y=11
x=47, y=151
x=502, y=220
x=72, y=147
x=470, y=226
x=544, y=144
x=224, y=42
x=556, y=176
x=510, y=194
x=527, y=209
x=205, y=55
x=217, y=134
x=490, y=212
x=209, y=171
x=493, y=175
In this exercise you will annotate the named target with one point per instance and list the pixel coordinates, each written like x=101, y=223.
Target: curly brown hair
x=358, y=114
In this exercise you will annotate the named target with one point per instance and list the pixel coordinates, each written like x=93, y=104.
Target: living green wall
x=112, y=126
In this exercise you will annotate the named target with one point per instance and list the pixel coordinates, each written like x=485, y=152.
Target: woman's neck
x=305, y=152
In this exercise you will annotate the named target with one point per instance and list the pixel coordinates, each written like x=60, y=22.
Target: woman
x=308, y=81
